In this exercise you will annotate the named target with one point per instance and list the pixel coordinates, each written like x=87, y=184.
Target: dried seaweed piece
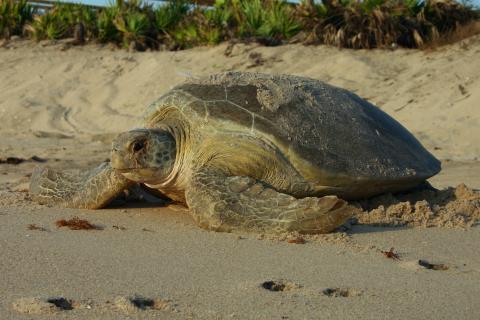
x=297, y=240
x=432, y=266
x=77, y=224
x=391, y=254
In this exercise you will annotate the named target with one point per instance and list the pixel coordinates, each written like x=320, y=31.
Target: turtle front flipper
x=224, y=203
x=90, y=190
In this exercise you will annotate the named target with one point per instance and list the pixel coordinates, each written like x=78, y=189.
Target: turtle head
x=144, y=155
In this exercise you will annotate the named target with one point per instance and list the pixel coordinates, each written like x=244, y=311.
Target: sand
x=63, y=105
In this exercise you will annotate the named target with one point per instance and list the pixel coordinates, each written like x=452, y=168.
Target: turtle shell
x=328, y=128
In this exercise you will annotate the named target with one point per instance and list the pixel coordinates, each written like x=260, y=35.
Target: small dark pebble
x=38, y=159
x=432, y=266
x=273, y=286
x=61, y=303
x=143, y=303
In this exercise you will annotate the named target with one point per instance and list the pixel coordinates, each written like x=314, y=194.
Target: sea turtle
x=254, y=151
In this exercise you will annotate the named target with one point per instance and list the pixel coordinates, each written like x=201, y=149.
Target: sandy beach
x=60, y=106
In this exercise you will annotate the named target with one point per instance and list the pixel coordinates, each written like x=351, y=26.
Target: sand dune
x=64, y=106
x=87, y=90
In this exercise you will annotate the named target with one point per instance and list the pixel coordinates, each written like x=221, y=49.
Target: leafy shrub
x=251, y=17
x=381, y=23
x=181, y=24
x=134, y=27
x=47, y=26
x=107, y=31
x=169, y=15
x=13, y=16
x=279, y=22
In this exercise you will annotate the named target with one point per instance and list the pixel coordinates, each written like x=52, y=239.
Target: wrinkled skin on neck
x=144, y=155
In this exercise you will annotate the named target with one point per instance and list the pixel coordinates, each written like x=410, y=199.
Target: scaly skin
x=218, y=194
x=91, y=190
x=223, y=203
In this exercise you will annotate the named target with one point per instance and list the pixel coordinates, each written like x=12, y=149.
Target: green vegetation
x=62, y=22
x=178, y=24
x=381, y=23
x=13, y=16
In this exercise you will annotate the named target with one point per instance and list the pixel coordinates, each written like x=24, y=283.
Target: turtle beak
x=121, y=157
x=118, y=157
x=129, y=150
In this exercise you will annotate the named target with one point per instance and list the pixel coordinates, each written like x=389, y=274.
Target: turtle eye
x=138, y=145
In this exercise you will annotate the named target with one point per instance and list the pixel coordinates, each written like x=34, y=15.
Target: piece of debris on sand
x=391, y=254
x=33, y=226
x=77, y=224
x=452, y=208
x=297, y=240
x=17, y=160
x=432, y=266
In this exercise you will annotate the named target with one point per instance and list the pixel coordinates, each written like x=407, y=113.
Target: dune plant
x=47, y=26
x=75, y=17
x=166, y=21
x=182, y=24
x=128, y=23
x=187, y=36
x=447, y=15
x=215, y=24
x=62, y=21
x=221, y=15
x=380, y=23
x=221, y=22
x=279, y=21
x=250, y=15
x=13, y=17
x=107, y=31
x=169, y=15
x=134, y=27
x=414, y=7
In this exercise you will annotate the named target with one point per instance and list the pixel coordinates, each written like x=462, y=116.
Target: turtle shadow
x=139, y=196
x=375, y=228
x=122, y=204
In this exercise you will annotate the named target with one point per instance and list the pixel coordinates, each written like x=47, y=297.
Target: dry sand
x=64, y=106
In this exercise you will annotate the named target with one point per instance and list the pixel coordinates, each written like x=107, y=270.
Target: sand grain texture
x=451, y=207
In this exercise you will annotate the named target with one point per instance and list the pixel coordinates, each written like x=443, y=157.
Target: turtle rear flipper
x=90, y=190
x=223, y=203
